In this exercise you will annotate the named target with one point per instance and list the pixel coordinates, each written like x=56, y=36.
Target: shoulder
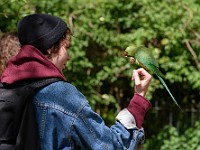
x=61, y=88
x=60, y=93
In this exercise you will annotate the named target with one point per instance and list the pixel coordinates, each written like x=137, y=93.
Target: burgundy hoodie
x=29, y=64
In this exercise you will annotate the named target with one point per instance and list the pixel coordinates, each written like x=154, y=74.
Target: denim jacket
x=67, y=122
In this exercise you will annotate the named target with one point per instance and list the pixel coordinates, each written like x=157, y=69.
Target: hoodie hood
x=29, y=64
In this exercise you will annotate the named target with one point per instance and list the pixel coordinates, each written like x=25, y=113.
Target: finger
x=136, y=77
x=133, y=77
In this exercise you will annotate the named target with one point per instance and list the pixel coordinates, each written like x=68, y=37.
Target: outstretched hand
x=142, y=80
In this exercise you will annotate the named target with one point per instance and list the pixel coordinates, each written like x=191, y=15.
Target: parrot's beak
x=125, y=54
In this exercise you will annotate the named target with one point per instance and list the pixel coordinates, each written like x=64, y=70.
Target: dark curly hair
x=55, y=48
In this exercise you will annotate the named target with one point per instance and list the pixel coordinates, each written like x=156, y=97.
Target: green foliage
x=102, y=29
x=169, y=138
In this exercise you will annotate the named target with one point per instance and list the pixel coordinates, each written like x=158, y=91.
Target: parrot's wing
x=154, y=69
x=146, y=60
x=144, y=63
x=145, y=56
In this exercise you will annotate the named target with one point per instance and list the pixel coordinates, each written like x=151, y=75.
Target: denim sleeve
x=65, y=119
x=91, y=132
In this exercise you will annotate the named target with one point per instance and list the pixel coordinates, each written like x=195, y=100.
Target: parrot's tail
x=164, y=84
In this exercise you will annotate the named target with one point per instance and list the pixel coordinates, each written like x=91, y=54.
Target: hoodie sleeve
x=138, y=107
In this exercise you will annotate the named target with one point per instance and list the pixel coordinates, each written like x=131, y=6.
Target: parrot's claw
x=132, y=60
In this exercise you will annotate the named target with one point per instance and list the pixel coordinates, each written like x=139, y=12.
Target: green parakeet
x=144, y=58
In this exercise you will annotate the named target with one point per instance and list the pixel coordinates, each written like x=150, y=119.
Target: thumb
x=136, y=77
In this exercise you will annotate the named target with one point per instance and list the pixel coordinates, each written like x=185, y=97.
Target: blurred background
x=102, y=29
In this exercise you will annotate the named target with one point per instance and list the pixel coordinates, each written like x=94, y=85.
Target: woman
x=64, y=117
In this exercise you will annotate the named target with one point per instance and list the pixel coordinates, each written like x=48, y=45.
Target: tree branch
x=194, y=55
x=190, y=16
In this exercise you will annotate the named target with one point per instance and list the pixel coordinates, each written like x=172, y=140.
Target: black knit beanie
x=41, y=31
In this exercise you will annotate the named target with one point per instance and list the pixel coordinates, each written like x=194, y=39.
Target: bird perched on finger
x=143, y=57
